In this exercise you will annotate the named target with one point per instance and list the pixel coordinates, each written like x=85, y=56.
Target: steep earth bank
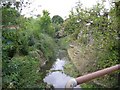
x=85, y=60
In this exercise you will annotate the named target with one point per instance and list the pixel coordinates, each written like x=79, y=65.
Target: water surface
x=57, y=77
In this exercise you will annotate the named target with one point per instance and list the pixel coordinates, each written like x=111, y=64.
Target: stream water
x=56, y=76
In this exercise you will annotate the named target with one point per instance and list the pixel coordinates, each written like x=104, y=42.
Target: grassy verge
x=70, y=69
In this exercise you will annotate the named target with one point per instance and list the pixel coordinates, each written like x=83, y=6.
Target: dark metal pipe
x=82, y=79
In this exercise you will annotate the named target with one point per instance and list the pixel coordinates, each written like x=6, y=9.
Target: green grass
x=64, y=42
x=70, y=70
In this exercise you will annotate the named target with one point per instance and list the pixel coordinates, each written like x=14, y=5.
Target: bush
x=22, y=73
x=64, y=42
x=47, y=45
x=15, y=41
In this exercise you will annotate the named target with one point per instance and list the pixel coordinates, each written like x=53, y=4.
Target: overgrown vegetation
x=96, y=30
x=27, y=43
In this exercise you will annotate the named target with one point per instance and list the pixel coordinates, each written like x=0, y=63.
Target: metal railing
x=85, y=78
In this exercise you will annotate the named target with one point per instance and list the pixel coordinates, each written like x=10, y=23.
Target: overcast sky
x=57, y=7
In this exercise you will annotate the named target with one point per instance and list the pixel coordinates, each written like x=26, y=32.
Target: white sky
x=56, y=7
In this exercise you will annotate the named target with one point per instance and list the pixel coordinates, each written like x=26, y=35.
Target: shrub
x=22, y=73
x=47, y=45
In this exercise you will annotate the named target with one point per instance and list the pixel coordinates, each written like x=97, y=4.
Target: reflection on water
x=59, y=64
x=58, y=79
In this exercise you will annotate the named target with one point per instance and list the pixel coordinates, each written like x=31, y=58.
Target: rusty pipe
x=82, y=79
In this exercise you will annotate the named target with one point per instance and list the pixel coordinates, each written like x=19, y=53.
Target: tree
x=56, y=19
x=9, y=15
x=57, y=22
x=97, y=28
x=45, y=24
